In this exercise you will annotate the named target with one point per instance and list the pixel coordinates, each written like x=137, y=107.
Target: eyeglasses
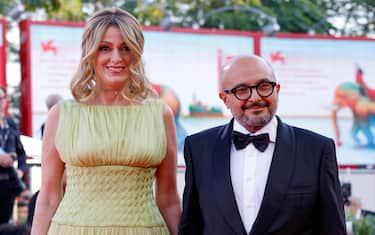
x=244, y=92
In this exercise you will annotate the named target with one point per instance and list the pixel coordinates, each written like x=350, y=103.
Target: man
x=285, y=182
x=355, y=209
x=354, y=212
x=11, y=150
x=51, y=100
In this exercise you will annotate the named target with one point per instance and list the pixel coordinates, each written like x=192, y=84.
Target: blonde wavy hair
x=137, y=87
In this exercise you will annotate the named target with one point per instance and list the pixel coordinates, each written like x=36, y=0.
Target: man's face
x=3, y=100
x=255, y=112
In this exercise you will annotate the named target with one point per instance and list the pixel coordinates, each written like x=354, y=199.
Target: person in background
x=31, y=208
x=32, y=203
x=14, y=229
x=22, y=210
x=11, y=151
x=258, y=175
x=113, y=140
x=354, y=212
x=354, y=208
x=51, y=100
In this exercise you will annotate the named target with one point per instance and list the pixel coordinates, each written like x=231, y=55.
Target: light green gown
x=111, y=154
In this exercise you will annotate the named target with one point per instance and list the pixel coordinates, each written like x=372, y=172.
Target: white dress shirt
x=249, y=171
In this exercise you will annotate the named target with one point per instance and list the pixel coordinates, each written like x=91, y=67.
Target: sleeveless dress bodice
x=111, y=154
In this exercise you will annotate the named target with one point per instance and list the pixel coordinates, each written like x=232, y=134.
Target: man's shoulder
x=308, y=134
x=12, y=124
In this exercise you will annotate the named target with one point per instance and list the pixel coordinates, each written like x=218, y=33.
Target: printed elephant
x=350, y=95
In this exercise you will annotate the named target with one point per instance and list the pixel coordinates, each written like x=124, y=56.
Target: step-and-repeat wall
x=321, y=77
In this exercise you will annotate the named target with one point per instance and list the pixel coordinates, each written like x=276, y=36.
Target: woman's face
x=112, y=62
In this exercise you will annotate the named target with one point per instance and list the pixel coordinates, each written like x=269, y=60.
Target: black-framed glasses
x=244, y=92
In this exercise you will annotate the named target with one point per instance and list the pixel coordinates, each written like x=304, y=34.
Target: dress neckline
x=146, y=103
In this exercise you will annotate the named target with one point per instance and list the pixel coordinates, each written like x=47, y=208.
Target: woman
x=112, y=141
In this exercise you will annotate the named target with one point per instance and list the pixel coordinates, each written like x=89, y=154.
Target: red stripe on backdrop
x=319, y=36
x=54, y=23
x=3, y=46
x=201, y=31
x=356, y=166
x=26, y=121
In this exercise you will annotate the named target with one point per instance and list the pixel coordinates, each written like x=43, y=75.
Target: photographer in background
x=11, y=151
x=354, y=208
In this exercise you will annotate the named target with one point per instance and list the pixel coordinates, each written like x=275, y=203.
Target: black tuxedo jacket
x=302, y=195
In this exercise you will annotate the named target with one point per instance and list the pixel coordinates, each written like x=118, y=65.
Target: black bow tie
x=241, y=140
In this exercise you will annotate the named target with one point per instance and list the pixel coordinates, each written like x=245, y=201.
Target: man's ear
x=223, y=97
x=278, y=88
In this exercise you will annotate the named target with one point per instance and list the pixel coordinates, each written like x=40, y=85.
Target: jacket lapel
x=221, y=180
x=281, y=170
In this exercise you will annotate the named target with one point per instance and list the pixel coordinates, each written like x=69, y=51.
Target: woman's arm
x=166, y=187
x=52, y=170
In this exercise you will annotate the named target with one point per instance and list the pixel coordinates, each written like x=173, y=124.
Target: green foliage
x=298, y=16
x=70, y=10
x=364, y=226
x=48, y=5
x=361, y=227
x=357, y=16
x=5, y=5
x=151, y=15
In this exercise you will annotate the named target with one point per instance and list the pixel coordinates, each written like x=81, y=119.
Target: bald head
x=52, y=99
x=254, y=64
x=355, y=201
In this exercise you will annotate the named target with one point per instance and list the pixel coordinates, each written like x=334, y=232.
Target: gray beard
x=256, y=121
